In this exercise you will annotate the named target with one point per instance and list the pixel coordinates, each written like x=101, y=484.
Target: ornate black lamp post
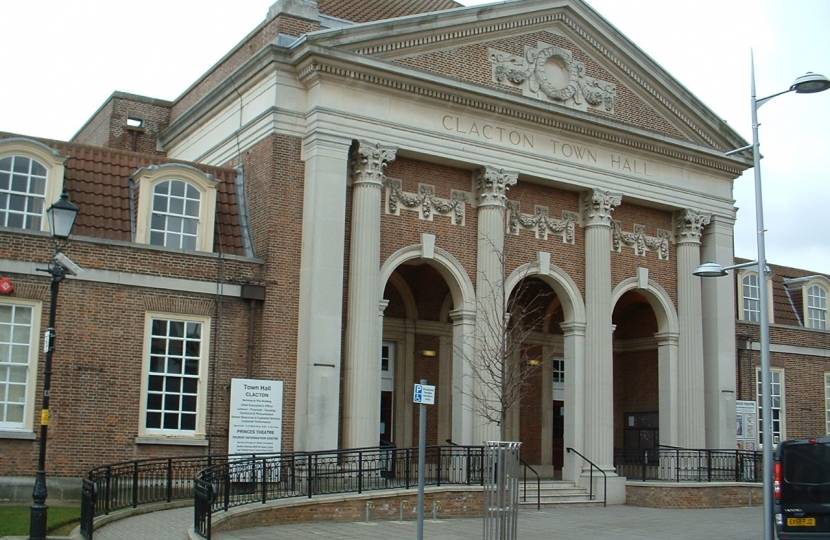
x=61, y=219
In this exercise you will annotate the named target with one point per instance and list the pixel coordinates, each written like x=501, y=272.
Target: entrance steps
x=556, y=493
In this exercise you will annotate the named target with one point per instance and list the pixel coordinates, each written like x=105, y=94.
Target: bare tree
x=504, y=363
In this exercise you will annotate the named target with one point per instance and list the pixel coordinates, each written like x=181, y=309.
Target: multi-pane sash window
x=816, y=308
x=776, y=404
x=16, y=342
x=752, y=298
x=558, y=370
x=176, y=214
x=175, y=367
x=22, y=192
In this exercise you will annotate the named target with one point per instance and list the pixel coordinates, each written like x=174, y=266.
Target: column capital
x=667, y=338
x=597, y=206
x=369, y=161
x=573, y=328
x=491, y=184
x=689, y=224
x=463, y=316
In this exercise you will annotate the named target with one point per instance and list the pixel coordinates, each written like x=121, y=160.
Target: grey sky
x=61, y=60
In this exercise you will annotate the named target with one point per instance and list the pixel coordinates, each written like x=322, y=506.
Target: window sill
x=171, y=441
x=23, y=435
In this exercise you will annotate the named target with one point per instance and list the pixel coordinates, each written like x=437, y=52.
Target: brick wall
x=109, y=127
x=670, y=495
x=450, y=503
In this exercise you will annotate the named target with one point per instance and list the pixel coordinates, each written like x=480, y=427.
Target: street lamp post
x=806, y=84
x=61, y=219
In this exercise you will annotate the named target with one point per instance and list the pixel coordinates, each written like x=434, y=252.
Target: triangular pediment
x=557, y=57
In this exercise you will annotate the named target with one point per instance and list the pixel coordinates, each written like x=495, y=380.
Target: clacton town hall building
x=363, y=194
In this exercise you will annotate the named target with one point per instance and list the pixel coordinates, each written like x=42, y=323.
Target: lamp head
x=709, y=269
x=810, y=83
x=62, y=216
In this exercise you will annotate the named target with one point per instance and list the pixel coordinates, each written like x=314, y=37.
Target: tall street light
x=806, y=84
x=61, y=217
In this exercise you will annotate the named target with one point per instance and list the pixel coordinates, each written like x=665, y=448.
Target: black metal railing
x=591, y=478
x=134, y=483
x=239, y=480
x=688, y=465
x=526, y=468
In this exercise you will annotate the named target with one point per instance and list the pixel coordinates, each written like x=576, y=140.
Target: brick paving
x=611, y=523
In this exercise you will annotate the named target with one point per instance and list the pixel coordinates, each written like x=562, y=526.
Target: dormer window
x=809, y=298
x=176, y=214
x=31, y=179
x=816, y=307
x=749, y=296
x=22, y=192
x=176, y=207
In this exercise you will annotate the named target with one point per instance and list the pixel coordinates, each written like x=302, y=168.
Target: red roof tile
x=98, y=181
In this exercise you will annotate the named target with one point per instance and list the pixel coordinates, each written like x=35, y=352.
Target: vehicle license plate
x=801, y=522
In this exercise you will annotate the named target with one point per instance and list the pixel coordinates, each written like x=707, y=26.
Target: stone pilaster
x=691, y=420
x=719, y=335
x=463, y=402
x=321, y=293
x=597, y=207
x=361, y=370
x=490, y=185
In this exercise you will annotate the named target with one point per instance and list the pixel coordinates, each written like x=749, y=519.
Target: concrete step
x=554, y=493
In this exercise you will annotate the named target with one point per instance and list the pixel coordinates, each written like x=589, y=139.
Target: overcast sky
x=62, y=59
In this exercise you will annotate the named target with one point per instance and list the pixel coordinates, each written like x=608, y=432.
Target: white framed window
x=173, y=386
x=816, y=307
x=31, y=179
x=176, y=207
x=827, y=401
x=751, y=298
x=776, y=404
x=19, y=330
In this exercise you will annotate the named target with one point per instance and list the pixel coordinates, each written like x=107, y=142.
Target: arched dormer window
x=176, y=207
x=749, y=296
x=816, y=304
x=809, y=298
x=31, y=179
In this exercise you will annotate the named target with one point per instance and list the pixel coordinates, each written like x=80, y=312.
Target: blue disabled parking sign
x=424, y=394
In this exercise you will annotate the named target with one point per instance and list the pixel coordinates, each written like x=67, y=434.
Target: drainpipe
x=253, y=294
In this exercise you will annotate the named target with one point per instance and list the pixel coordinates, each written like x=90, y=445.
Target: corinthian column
x=599, y=362
x=688, y=227
x=361, y=371
x=490, y=185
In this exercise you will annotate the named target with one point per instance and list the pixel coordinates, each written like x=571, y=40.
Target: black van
x=802, y=488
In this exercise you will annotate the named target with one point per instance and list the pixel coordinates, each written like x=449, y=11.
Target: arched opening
x=636, y=374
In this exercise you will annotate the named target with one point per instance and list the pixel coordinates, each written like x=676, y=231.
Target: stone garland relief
x=425, y=202
x=639, y=241
x=550, y=71
x=541, y=223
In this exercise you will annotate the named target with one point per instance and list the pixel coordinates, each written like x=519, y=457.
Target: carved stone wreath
x=530, y=73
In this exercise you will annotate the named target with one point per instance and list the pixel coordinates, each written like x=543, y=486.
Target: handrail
x=675, y=464
x=257, y=479
x=538, y=485
x=605, y=478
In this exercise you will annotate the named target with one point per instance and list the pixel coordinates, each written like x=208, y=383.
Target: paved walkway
x=611, y=523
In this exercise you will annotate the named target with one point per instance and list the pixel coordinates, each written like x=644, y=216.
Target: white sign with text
x=256, y=417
